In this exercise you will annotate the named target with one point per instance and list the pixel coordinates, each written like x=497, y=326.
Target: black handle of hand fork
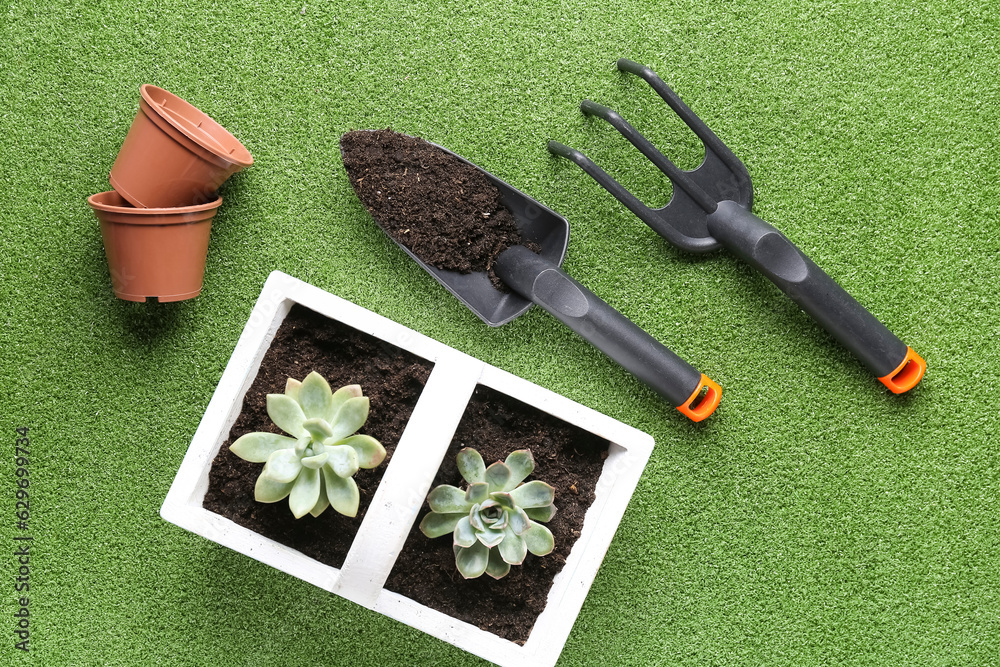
x=762, y=246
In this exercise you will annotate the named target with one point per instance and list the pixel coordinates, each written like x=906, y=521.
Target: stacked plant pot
x=156, y=221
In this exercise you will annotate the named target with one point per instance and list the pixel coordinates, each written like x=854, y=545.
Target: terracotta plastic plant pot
x=174, y=154
x=154, y=252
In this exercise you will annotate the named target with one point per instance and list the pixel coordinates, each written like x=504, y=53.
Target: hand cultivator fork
x=710, y=208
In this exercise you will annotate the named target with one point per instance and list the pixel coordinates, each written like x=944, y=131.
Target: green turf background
x=815, y=519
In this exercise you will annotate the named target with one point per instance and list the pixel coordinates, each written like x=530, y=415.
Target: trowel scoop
x=538, y=278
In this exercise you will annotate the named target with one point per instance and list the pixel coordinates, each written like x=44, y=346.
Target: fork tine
x=662, y=162
x=697, y=125
x=631, y=202
x=603, y=179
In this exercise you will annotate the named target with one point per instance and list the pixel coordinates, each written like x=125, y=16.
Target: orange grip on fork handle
x=906, y=376
x=703, y=401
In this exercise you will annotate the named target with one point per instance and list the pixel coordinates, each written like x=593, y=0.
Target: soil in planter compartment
x=444, y=210
x=306, y=341
x=566, y=456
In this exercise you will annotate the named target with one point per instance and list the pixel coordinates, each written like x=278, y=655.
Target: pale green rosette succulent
x=314, y=467
x=497, y=520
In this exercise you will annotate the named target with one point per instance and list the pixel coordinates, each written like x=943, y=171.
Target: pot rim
x=238, y=154
x=92, y=200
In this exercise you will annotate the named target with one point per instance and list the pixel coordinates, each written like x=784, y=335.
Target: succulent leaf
x=539, y=540
x=471, y=465
x=316, y=397
x=292, y=387
x=465, y=534
x=350, y=417
x=340, y=397
x=282, y=466
x=504, y=500
x=490, y=537
x=305, y=492
x=497, y=567
x=512, y=547
x=322, y=503
x=518, y=521
x=343, y=460
x=436, y=525
x=472, y=561
x=521, y=464
x=477, y=492
x=256, y=447
x=369, y=450
x=475, y=519
x=268, y=491
x=497, y=476
x=533, y=494
x=342, y=492
x=286, y=413
x=542, y=514
x=447, y=499
x=315, y=462
x=318, y=429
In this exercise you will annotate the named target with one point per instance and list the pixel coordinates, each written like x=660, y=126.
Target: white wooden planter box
x=408, y=478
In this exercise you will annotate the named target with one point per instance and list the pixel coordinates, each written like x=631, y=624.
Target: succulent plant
x=496, y=520
x=314, y=467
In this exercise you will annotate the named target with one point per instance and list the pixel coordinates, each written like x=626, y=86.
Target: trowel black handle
x=895, y=364
x=547, y=285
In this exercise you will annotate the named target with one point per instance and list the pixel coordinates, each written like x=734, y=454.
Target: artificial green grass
x=814, y=519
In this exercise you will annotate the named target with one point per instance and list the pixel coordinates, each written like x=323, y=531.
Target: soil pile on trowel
x=453, y=216
x=444, y=210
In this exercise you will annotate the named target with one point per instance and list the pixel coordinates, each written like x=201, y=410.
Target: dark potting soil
x=445, y=211
x=566, y=456
x=307, y=341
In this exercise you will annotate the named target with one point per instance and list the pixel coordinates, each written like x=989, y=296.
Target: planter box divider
x=408, y=480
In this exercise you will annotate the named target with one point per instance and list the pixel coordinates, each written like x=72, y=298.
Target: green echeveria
x=314, y=467
x=495, y=521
